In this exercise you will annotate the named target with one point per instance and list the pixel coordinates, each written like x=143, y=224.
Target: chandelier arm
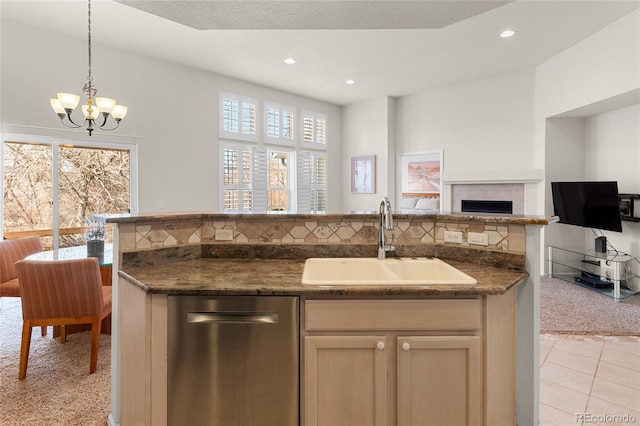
x=111, y=128
x=104, y=120
x=73, y=126
x=73, y=122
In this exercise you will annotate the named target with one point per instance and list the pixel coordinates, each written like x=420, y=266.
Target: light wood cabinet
x=393, y=362
x=407, y=362
x=439, y=380
x=349, y=376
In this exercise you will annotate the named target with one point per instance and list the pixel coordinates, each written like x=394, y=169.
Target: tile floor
x=589, y=380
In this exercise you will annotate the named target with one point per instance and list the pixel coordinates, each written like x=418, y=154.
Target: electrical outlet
x=224, y=235
x=478, y=238
x=453, y=237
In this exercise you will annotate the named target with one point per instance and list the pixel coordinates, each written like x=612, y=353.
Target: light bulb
x=57, y=106
x=105, y=104
x=68, y=100
x=119, y=111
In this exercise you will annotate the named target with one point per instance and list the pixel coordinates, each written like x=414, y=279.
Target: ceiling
x=390, y=48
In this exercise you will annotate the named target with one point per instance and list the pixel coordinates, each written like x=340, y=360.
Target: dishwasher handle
x=233, y=317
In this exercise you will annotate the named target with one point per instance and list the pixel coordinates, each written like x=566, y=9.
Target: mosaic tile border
x=503, y=237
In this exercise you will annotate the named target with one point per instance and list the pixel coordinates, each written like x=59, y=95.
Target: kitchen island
x=257, y=265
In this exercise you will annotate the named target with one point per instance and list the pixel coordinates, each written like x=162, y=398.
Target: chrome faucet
x=386, y=222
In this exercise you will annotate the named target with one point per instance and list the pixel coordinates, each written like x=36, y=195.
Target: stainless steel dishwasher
x=233, y=361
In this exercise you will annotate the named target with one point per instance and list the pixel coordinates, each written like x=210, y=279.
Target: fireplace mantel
x=494, y=176
x=519, y=186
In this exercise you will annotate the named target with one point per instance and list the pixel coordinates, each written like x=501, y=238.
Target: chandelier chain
x=89, y=38
x=95, y=108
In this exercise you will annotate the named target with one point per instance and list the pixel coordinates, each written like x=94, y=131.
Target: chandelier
x=95, y=109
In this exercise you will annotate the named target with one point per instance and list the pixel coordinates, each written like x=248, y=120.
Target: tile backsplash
x=335, y=229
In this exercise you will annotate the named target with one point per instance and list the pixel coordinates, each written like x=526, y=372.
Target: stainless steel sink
x=391, y=271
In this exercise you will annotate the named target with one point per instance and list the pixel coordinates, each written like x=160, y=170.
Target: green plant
x=95, y=231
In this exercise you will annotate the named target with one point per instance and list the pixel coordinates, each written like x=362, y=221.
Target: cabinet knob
x=406, y=346
x=380, y=345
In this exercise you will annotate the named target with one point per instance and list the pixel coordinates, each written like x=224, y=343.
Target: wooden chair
x=62, y=292
x=12, y=251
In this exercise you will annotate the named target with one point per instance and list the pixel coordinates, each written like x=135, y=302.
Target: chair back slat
x=12, y=251
x=60, y=288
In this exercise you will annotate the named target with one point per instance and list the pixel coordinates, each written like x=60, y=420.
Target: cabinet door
x=345, y=380
x=439, y=381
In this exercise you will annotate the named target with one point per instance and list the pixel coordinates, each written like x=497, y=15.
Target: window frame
x=292, y=173
x=241, y=187
x=314, y=144
x=55, y=143
x=280, y=139
x=308, y=186
x=241, y=100
x=302, y=193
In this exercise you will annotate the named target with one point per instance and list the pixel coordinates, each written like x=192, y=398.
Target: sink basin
x=334, y=271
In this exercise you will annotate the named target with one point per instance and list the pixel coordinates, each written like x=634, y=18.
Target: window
x=52, y=188
x=279, y=186
x=262, y=177
x=238, y=117
x=236, y=178
x=314, y=130
x=279, y=124
x=312, y=181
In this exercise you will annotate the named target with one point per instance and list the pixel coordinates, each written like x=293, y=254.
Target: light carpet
x=58, y=389
x=567, y=308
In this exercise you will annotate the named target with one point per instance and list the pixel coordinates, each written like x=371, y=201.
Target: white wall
x=598, y=81
x=612, y=152
x=368, y=130
x=482, y=126
x=564, y=162
x=599, y=67
x=172, y=115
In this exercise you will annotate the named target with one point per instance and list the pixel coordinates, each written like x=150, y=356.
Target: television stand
x=607, y=273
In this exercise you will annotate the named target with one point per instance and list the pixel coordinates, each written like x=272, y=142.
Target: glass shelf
x=607, y=273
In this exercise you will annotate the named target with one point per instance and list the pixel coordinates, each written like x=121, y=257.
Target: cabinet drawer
x=442, y=314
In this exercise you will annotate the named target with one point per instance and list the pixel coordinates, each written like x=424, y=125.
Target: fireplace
x=498, y=198
x=487, y=206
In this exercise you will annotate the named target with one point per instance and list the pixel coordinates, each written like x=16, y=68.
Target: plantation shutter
x=314, y=130
x=260, y=186
x=319, y=184
x=279, y=124
x=238, y=116
x=249, y=113
x=320, y=131
x=304, y=175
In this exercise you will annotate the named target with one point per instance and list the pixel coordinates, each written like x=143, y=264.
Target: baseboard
x=111, y=421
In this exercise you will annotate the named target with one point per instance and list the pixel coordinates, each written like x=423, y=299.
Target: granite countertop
x=205, y=276
x=469, y=217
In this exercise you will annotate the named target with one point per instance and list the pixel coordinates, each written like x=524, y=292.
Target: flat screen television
x=588, y=204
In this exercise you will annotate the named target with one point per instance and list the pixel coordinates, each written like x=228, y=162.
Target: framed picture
x=363, y=174
x=419, y=180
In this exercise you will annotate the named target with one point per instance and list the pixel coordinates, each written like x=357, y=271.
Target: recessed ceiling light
x=350, y=82
x=507, y=33
x=289, y=61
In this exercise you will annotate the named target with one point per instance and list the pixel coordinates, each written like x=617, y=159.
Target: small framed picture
x=363, y=174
